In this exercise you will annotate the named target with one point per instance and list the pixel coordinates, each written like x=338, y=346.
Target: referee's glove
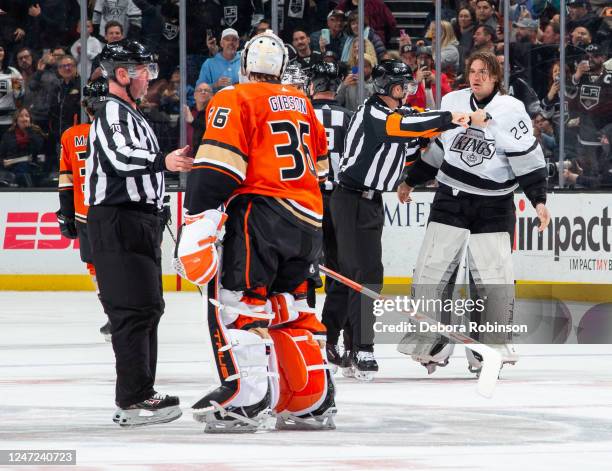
x=67, y=225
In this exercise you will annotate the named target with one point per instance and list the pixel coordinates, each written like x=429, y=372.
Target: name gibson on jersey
x=287, y=103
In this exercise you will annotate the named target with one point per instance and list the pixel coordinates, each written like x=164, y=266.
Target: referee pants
x=358, y=224
x=126, y=250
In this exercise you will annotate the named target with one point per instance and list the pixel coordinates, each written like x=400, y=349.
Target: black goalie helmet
x=325, y=77
x=128, y=54
x=95, y=93
x=393, y=72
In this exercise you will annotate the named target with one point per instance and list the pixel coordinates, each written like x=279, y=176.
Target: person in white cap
x=223, y=68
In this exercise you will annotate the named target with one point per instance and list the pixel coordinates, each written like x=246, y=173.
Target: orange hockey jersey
x=72, y=172
x=267, y=138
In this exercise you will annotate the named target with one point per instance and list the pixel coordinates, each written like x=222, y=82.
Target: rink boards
x=573, y=252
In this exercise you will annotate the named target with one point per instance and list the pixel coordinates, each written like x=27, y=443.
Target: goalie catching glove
x=195, y=257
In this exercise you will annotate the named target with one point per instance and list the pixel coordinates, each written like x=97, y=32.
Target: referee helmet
x=325, y=77
x=127, y=54
x=391, y=72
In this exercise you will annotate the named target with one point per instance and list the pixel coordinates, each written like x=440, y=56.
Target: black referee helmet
x=389, y=73
x=127, y=54
x=95, y=93
x=325, y=77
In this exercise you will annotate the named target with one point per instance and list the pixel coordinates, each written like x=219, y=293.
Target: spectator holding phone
x=333, y=37
x=352, y=31
x=348, y=94
x=426, y=77
x=223, y=68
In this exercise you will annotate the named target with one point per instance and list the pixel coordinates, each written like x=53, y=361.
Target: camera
x=553, y=168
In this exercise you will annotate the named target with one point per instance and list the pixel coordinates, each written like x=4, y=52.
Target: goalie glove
x=195, y=257
x=67, y=225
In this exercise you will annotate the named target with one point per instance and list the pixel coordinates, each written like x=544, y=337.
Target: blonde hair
x=448, y=34
x=368, y=51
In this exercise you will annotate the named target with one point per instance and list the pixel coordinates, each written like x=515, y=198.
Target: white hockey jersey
x=486, y=161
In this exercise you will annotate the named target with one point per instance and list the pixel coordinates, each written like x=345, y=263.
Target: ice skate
x=334, y=357
x=320, y=419
x=346, y=368
x=105, y=330
x=507, y=352
x=432, y=358
x=158, y=409
x=364, y=365
x=233, y=419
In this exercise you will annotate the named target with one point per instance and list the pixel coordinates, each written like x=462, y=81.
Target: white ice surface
x=552, y=411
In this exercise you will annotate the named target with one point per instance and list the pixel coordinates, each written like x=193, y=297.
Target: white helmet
x=264, y=54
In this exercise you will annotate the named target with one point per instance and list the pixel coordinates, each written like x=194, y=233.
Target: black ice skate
x=320, y=419
x=105, y=330
x=334, y=357
x=232, y=419
x=158, y=409
x=346, y=367
x=365, y=365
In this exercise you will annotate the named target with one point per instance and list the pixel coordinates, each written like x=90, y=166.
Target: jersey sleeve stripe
x=524, y=152
x=218, y=169
x=224, y=145
x=398, y=126
x=223, y=157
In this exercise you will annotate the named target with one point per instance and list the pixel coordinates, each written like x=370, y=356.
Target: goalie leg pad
x=306, y=387
x=490, y=263
x=443, y=248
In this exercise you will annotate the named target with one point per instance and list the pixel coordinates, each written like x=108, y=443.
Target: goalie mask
x=264, y=54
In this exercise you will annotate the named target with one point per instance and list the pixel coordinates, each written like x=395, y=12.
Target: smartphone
x=402, y=32
x=355, y=70
x=422, y=65
x=209, y=33
x=325, y=35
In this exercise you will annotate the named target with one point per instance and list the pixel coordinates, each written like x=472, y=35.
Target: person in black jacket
x=20, y=147
x=65, y=107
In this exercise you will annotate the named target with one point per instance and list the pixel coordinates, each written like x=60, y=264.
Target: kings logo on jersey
x=589, y=96
x=473, y=147
x=230, y=15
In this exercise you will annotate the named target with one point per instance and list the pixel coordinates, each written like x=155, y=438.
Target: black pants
x=358, y=224
x=126, y=250
x=263, y=249
x=480, y=214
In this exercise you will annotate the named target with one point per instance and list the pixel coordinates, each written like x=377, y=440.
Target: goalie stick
x=492, y=360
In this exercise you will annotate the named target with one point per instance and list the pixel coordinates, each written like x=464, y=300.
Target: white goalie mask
x=264, y=54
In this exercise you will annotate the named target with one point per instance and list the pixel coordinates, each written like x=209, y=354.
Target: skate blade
x=365, y=376
x=133, y=418
x=348, y=372
x=325, y=421
x=235, y=423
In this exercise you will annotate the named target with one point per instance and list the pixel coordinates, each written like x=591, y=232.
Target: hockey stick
x=492, y=361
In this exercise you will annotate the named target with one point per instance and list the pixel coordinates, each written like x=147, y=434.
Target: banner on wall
x=575, y=248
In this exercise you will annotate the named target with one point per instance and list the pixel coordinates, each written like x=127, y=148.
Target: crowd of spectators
x=40, y=55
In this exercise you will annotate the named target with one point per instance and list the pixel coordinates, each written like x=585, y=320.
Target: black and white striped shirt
x=335, y=120
x=124, y=162
x=380, y=142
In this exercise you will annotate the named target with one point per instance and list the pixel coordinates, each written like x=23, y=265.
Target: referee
x=324, y=82
x=372, y=163
x=124, y=188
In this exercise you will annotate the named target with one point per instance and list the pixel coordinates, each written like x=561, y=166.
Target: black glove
x=165, y=213
x=67, y=226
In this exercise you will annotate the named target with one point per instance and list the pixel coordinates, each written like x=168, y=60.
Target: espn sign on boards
x=25, y=230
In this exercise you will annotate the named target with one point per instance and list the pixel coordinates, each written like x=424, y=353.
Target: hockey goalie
x=262, y=158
